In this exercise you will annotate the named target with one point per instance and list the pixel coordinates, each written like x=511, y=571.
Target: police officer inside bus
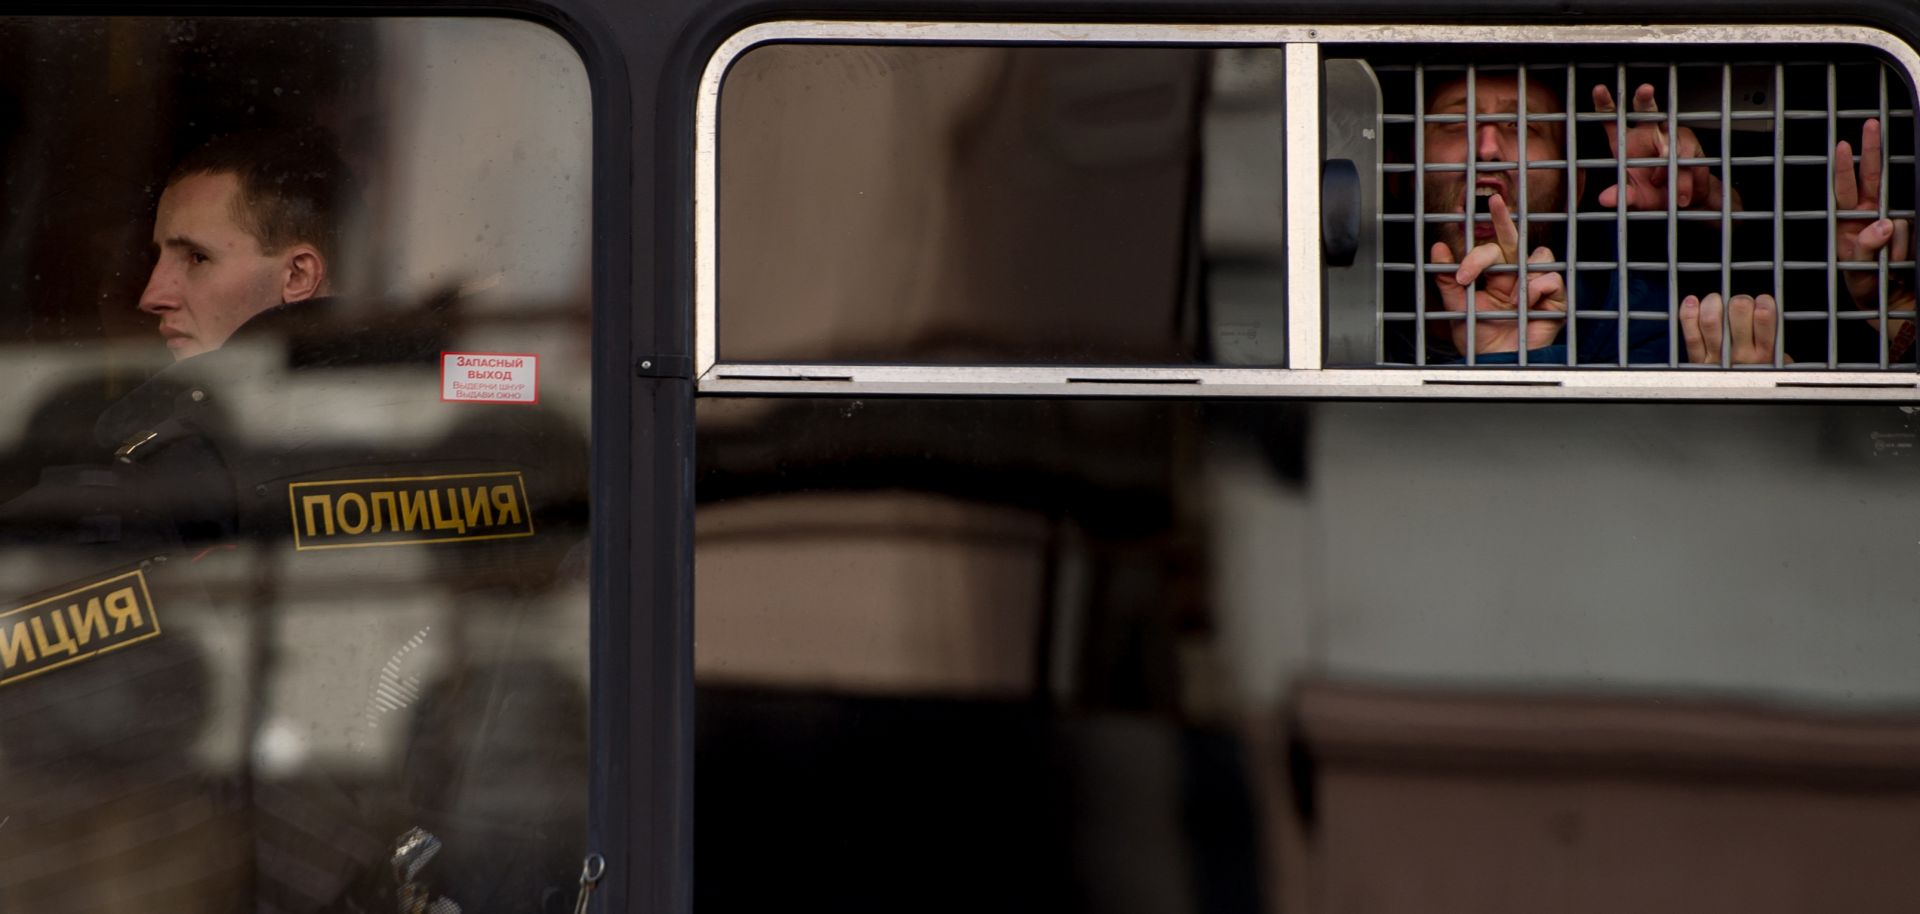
x=108, y=698
x=246, y=239
x=244, y=242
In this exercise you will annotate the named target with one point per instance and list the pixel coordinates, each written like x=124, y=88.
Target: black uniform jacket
x=158, y=594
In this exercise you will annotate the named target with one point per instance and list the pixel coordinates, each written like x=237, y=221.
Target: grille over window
x=1765, y=221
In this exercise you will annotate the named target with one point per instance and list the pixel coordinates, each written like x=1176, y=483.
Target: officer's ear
x=306, y=274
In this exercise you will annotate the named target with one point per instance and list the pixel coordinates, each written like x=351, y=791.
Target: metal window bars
x=1765, y=128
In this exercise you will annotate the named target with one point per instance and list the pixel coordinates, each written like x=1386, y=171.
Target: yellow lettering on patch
x=61, y=643
x=392, y=517
x=509, y=509
x=413, y=510
x=71, y=627
x=93, y=624
x=325, y=503
x=16, y=647
x=359, y=502
x=478, y=509
x=408, y=510
x=124, y=609
x=451, y=521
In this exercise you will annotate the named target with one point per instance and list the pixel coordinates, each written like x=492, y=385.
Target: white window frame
x=1304, y=375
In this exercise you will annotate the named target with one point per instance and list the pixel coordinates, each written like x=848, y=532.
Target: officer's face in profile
x=210, y=274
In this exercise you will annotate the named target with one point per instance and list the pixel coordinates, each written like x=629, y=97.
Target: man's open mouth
x=1484, y=191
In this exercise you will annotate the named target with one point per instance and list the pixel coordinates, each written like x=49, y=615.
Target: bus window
x=954, y=205
x=293, y=464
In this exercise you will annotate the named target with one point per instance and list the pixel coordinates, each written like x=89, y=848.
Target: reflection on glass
x=1230, y=656
x=1001, y=204
x=292, y=538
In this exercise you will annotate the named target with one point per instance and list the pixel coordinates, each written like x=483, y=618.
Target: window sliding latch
x=761, y=376
x=1490, y=382
x=663, y=366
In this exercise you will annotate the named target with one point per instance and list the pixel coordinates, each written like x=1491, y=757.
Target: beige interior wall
x=1435, y=802
x=887, y=592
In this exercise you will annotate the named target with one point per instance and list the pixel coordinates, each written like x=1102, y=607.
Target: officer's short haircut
x=293, y=185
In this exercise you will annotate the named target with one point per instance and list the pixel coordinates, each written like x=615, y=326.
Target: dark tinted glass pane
x=971, y=204
x=1216, y=656
x=293, y=608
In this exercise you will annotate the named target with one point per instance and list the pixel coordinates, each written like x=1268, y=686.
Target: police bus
x=1136, y=456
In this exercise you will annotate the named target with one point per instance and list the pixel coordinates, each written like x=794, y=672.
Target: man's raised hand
x=1698, y=187
x=1749, y=322
x=1861, y=240
x=1545, y=291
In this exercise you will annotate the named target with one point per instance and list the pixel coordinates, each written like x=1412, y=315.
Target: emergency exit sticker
x=489, y=377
